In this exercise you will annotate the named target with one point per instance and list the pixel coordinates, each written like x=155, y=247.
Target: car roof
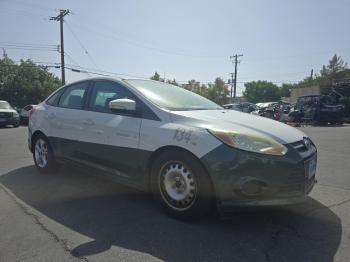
x=310, y=96
x=111, y=78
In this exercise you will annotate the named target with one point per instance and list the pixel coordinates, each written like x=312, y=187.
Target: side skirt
x=105, y=173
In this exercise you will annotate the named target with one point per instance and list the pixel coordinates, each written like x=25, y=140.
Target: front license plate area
x=310, y=166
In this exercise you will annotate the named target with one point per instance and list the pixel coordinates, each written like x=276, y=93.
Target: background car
x=245, y=107
x=319, y=109
x=273, y=110
x=8, y=115
x=24, y=114
x=265, y=109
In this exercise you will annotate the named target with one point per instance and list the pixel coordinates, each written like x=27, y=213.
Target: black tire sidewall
x=205, y=198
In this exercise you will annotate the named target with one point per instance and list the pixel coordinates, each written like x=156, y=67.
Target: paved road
x=74, y=215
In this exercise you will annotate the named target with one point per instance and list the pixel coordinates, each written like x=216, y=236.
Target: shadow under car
x=115, y=215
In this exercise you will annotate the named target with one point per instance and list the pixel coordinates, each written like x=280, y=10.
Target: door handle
x=52, y=116
x=89, y=122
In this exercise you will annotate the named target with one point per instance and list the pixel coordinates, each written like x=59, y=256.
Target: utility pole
x=62, y=14
x=231, y=82
x=235, y=57
x=312, y=74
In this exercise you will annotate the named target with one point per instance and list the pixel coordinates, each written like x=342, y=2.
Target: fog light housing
x=250, y=187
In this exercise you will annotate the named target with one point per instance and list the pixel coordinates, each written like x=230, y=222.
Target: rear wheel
x=42, y=154
x=181, y=185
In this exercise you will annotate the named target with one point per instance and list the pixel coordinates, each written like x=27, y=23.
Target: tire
x=181, y=185
x=42, y=154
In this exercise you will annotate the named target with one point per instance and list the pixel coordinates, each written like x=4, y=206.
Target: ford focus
x=192, y=154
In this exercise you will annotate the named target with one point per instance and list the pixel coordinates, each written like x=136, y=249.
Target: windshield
x=172, y=97
x=5, y=105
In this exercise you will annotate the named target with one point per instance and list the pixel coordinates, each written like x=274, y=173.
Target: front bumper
x=9, y=121
x=243, y=179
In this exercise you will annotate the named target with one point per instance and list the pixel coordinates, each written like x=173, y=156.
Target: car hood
x=241, y=122
x=7, y=111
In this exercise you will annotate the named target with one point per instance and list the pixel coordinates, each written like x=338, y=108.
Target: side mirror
x=123, y=104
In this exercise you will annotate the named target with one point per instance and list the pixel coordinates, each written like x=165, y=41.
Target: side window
x=53, y=99
x=105, y=91
x=73, y=96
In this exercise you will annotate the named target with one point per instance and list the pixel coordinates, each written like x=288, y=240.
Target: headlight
x=15, y=114
x=250, y=142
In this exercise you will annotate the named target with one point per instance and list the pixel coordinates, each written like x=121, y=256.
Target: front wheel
x=181, y=185
x=42, y=154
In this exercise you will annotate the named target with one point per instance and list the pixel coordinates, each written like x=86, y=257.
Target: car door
x=109, y=140
x=66, y=122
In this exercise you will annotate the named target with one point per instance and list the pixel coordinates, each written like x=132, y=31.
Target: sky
x=281, y=41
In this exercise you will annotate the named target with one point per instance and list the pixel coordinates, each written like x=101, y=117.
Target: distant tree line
x=264, y=91
x=25, y=83
x=217, y=91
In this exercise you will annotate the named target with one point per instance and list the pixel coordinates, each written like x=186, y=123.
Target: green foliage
x=25, y=83
x=218, y=92
x=261, y=91
x=157, y=77
x=285, y=89
x=335, y=66
x=336, y=69
x=193, y=86
x=173, y=82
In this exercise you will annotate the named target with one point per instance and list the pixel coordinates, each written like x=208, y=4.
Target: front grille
x=5, y=114
x=299, y=146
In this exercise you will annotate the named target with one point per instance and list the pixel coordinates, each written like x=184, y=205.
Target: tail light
x=31, y=112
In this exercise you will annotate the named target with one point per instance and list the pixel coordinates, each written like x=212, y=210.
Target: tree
x=192, y=85
x=335, y=66
x=157, y=77
x=218, y=92
x=261, y=91
x=285, y=89
x=173, y=82
x=26, y=83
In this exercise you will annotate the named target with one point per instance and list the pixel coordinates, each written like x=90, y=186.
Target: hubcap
x=177, y=185
x=41, y=153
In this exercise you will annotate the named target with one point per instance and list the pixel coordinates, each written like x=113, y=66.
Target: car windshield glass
x=4, y=105
x=172, y=97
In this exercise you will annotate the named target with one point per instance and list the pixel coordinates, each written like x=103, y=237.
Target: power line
x=12, y=11
x=45, y=66
x=141, y=45
x=25, y=44
x=29, y=49
x=75, y=62
x=82, y=46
